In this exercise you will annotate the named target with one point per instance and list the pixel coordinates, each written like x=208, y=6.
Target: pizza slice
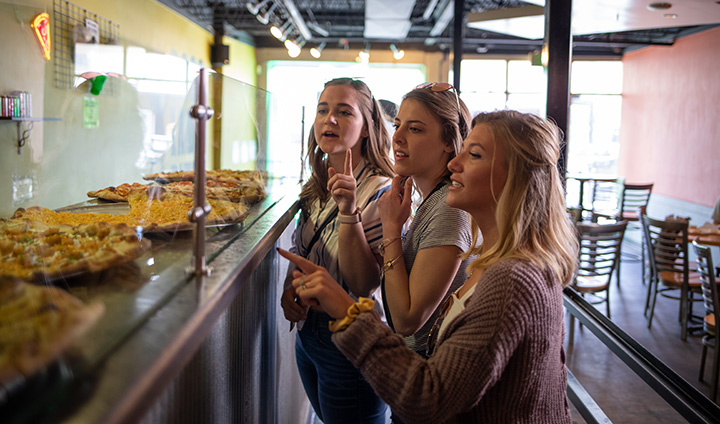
x=117, y=194
x=38, y=323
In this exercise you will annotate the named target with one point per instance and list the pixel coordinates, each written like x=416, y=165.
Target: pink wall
x=670, y=132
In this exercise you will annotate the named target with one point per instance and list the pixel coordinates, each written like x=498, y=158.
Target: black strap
x=319, y=231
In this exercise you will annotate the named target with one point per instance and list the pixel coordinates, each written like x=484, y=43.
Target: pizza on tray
x=37, y=323
x=160, y=211
x=225, y=175
x=43, y=250
x=236, y=191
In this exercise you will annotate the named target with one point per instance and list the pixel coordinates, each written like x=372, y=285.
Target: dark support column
x=458, y=37
x=558, y=39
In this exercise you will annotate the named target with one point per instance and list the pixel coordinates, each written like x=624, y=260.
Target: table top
x=708, y=234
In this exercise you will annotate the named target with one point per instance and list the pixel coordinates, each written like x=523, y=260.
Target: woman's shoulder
x=521, y=275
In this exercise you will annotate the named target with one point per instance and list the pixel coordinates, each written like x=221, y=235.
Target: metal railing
x=688, y=401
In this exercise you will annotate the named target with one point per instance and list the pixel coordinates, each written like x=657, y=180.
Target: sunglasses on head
x=439, y=87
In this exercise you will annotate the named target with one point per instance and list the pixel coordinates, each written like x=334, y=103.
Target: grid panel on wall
x=66, y=17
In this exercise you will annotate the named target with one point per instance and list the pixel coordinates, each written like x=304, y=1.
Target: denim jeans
x=336, y=389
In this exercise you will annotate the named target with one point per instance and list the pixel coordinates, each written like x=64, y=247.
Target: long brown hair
x=530, y=214
x=375, y=147
x=452, y=113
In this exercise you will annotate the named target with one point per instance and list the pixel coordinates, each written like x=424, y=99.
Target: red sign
x=41, y=26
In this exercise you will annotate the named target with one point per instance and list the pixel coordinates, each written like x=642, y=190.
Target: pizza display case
x=173, y=344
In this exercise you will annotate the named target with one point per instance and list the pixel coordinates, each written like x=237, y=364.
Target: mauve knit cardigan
x=500, y=361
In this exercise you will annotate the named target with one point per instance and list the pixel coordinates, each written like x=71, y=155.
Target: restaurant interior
x=641, y=129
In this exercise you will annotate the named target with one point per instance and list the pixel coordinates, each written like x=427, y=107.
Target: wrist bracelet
x=389, y=264
x=362, y=305
x=385, y=243
x=353, y=218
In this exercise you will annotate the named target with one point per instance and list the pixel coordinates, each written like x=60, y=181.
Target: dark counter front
x=173, y=347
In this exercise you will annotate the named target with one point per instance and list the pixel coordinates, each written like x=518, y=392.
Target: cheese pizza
x=226, y=175
x=235, y=191
x=40, y=249
x=37, y=323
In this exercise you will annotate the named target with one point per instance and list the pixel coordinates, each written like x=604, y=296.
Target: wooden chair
x=598, y=256
x=666, y=245
x=712, y=313
x=631, y=197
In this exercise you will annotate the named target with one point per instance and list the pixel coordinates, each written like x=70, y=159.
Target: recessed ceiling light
x=670, y=16
x=659, y=6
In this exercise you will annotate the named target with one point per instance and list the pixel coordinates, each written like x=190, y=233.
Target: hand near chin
x=395, y=204
x=343, y=187
x=315, y=286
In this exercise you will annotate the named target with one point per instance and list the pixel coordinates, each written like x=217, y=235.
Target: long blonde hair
x=530, y=214
x=375, y=147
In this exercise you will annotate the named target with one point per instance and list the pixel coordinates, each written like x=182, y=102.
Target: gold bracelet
x=385, y=243
x=362, y=305
x=389, y=264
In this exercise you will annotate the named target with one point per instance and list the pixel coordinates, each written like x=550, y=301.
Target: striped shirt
x=324, y=251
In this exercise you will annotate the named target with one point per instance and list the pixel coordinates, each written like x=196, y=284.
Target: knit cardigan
x=501, y=360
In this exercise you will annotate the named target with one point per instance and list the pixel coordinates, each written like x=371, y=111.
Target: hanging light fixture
x=281, y=32
x=317, y=51
x=364, y=54
x=265, y=19
x=255, y=8
x=397, y=54
x=294, y=47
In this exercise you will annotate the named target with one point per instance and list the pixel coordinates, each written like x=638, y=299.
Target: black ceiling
x=341, y=22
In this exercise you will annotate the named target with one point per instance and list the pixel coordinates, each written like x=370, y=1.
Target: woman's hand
x=394, y=206
x=315, y=286
x=343, y=187
x=292, y=308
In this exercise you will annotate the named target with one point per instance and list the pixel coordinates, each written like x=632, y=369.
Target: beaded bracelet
x=388, y=265
x=385, y=243
x=362, y=305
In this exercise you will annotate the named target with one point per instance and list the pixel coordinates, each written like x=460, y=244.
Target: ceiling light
x=317, y=51
x=294, y=48
x=281, y=32
x=265, y=19
x=397, y=54
x=364, y=54
x=255, y=8
x=659, y=6
x=670, y=16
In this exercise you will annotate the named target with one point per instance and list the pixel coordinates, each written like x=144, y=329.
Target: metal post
x=200, y=112
x=458, y=37
x=559, y=44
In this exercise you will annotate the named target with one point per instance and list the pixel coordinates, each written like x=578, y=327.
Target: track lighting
x=281, y=32
x=397, y=54
x=265, y=19
x=317, y=51
x=364, y=54
x=255, y=8
x=294, y=47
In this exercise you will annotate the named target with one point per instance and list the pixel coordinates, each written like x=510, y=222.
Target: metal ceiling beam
x=298, y=20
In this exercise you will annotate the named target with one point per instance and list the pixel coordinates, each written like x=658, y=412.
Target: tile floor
x=622, y=395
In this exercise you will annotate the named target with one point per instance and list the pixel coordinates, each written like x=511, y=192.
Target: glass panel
x=483, y=76
x=141, y=125
x=527, y=103
x=596, y=77
x=594, y=130
x=525, y=78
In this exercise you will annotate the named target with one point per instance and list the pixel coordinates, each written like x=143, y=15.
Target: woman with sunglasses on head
x=422, y=266
x=499, y=354
x=348, y=149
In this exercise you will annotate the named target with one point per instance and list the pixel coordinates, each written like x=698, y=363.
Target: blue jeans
x=336, y=389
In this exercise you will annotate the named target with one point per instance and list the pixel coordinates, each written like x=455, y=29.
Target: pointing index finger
x=305, y=265
x=348, y=163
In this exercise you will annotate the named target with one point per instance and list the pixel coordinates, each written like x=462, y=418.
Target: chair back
x=709, y=287
x=599, y=250
x=606, y=197
x=632, y=197
x=667, y=246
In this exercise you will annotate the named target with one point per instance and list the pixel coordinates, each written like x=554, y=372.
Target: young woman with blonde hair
x=499, y=353
x=339, y=228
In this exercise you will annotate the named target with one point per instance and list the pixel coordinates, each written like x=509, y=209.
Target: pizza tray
x=123, y=208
